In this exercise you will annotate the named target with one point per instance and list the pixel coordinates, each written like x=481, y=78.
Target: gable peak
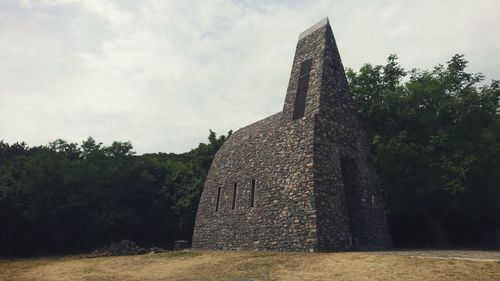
x=313, y=28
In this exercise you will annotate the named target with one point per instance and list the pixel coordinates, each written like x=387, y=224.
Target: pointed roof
x=313, y=28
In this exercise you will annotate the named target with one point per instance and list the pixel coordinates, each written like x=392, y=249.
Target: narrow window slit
x=233, y=205
x=303, y=85
x=218, y=200
x=252, y=194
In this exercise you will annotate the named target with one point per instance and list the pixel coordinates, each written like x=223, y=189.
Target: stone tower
x=301, y=179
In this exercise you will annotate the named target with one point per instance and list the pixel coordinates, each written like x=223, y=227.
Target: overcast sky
x=162, y=73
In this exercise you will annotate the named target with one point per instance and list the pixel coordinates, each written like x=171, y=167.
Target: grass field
x=243, y=265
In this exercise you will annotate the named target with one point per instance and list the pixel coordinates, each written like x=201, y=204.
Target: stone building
x=301, y=179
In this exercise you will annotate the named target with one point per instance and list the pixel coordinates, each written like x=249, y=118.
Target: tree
x=430, y=134
x=67, y=198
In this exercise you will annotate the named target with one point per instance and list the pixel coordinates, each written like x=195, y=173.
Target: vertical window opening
x=252, y=194
x=233, y=204
x=303, y=85
x=217, y=200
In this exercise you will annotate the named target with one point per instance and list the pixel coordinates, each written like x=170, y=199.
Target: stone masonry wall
x=315, y=183
x=278, y=155
x=338, y=140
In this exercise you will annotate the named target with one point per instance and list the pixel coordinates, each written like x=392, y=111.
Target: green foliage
x=435, y=135
x=66, y=197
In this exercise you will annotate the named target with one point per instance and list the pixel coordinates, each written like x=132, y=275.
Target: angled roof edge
x=313, y=28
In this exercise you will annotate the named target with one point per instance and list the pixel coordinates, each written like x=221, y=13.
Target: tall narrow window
x=217, y=200
x=300, y=97
x=252, y=194
x=233, y=204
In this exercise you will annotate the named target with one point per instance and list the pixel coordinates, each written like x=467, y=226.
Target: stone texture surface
x=315, y=181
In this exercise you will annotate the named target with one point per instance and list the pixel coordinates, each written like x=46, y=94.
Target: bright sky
x=162, y=73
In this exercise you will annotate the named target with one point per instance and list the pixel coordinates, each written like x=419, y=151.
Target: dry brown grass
x=194, y=265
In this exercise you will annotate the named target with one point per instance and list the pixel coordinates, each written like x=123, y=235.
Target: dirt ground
x=247, y=265
x=472, y=255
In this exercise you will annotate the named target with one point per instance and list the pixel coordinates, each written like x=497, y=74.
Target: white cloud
x=161, y=73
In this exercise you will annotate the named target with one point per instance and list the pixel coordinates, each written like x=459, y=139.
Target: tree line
x=68, y=198
x=434, y=135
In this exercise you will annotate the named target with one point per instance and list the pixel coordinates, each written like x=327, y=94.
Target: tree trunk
x=80, y=232
x=438, y=233
x=435, y=222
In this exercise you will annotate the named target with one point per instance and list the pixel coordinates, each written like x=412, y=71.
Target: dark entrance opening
x=352, y=194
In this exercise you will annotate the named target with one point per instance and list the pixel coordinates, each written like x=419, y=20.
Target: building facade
x=301, y=179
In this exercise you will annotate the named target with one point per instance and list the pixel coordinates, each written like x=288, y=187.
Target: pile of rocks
x=125, y=247
x=181, y=245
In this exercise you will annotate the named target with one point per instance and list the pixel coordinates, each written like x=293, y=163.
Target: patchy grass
x=243, y=265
